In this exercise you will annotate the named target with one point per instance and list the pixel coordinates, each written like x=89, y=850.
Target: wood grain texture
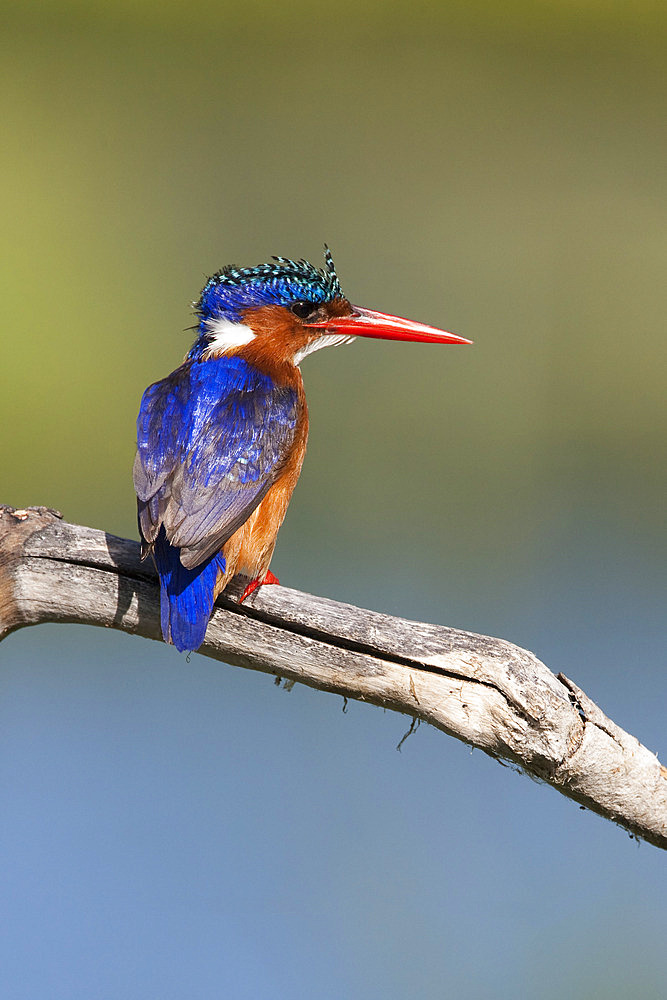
x=485, y=691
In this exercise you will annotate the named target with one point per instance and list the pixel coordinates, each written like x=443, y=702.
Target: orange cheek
x=279, y=336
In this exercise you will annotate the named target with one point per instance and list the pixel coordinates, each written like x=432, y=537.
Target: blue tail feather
x=186, y=595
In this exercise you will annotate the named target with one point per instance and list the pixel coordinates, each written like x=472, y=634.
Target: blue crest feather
x=231, y=291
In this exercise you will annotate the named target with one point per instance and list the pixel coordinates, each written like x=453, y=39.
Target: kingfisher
x=221, y=441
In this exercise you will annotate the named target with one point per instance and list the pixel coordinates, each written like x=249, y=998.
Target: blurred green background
x=495, y=169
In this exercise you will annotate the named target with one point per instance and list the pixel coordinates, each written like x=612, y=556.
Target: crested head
x=268, y=306
x=229, y=293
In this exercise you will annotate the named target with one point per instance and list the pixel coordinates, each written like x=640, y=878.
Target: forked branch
x=484, y=691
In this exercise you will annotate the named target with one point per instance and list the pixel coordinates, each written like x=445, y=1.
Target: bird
x=221, y=440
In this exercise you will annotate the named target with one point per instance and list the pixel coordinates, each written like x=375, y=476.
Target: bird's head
x=288, y=309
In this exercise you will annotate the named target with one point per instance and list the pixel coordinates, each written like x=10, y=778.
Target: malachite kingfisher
x=221, y=441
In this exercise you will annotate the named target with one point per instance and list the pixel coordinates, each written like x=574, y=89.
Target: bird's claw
x=254, y=584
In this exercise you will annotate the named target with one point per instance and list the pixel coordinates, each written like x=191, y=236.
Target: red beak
x=367, y=323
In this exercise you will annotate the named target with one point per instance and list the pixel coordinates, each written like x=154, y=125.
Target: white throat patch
x=328, y=340
x=226, y=336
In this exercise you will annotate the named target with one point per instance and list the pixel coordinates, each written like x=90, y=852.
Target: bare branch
x=484, y=691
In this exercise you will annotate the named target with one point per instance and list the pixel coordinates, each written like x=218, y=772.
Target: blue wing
x=212, y=438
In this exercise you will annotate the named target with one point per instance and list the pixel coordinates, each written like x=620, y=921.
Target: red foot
x=254, y=584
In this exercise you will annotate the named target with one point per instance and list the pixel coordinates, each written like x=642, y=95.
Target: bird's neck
x=268, y=339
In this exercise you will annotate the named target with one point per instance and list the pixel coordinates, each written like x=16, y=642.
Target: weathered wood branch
x=485, y=691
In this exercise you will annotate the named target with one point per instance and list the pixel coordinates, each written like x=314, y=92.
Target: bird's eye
x=304, y=309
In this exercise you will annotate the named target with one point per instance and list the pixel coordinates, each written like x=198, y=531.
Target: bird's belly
x=258, y=540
